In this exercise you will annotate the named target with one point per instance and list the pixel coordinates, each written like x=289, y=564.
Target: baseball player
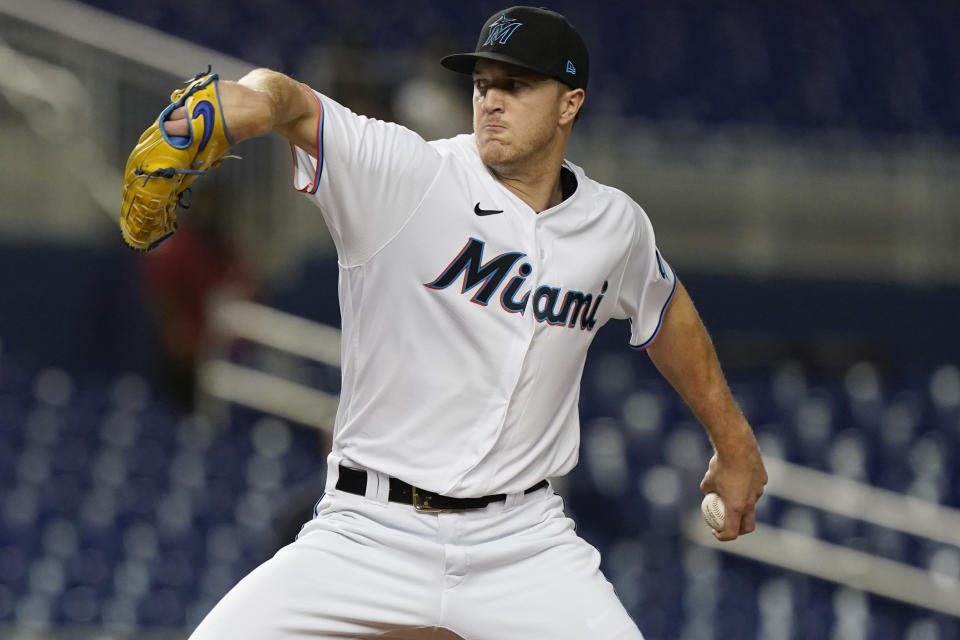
x=474, y=274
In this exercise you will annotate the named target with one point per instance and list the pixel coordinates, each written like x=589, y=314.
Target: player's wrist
x=735, y=441
x=248, y=112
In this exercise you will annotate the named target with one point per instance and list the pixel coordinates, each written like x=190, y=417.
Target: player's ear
x=571, y=100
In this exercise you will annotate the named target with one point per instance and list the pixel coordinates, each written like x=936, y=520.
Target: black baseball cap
x=535, y=39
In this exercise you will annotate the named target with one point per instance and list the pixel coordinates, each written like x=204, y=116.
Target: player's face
x=516, y=114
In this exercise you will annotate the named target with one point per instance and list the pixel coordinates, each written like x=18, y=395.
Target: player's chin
x=495, y=153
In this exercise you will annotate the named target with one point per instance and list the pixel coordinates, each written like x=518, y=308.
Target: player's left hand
x=736, y=472
x=162, y=166
x=245, y=111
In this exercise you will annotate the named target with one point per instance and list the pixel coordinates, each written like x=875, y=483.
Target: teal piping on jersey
x=313, y=186
x=663, y=312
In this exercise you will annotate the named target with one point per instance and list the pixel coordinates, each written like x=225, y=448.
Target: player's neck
x=536, y=181
x=540, y=193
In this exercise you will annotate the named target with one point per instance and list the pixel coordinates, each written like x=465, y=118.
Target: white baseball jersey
x=467, y=315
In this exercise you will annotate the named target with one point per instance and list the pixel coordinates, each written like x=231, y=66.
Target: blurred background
x=164, y=416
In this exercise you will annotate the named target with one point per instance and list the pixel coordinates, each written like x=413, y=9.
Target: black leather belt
x=355, y=481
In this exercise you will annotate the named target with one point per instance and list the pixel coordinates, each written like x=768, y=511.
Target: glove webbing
x=169, y=172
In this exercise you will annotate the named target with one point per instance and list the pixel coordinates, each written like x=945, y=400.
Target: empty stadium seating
x=875, y=68
x=117, y=511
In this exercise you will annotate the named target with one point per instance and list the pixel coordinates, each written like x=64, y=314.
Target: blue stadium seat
x=119, y=428
x=79, y=605
x=161, y=608
x=147, y=458
x=814, y=423
x=14, y=560
x=91, y=567
x=53, y=387
x=175, y=570
x=12, y=410
x=137, y=498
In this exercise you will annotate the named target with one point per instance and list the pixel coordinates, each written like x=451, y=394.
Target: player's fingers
x=708, y=483
x=175, y=123
x=748, y=522
x=731, y=525
x=180, y=113
x=176, y=127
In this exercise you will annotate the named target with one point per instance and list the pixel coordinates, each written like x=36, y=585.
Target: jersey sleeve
x=366, y=176
x=647, y=286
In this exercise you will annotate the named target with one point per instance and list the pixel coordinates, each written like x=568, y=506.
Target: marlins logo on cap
x=501, y=30
x=539, y=40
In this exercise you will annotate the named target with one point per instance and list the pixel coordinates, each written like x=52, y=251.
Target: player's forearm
x=685, y=356
x=285, y=106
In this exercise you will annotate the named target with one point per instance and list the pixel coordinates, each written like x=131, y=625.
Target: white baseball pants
x=368, y=568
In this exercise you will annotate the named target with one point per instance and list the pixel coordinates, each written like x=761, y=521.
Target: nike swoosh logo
x=205, y=110
x=485, y=212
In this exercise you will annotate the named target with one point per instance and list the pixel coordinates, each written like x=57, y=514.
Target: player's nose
x=490, y=100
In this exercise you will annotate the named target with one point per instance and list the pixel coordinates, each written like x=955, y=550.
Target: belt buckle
x=421, y=502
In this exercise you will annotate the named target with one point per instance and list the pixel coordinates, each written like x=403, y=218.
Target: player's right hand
x=738, y=475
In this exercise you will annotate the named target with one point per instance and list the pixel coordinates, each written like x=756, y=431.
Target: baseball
x=713, y=511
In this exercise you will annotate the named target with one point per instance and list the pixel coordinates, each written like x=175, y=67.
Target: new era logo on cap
x=547, y=44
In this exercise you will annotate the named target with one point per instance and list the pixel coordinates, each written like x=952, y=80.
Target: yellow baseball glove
x=161, y=166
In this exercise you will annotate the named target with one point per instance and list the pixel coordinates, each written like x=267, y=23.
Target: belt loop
x=512, y=500
x=333, y=473
x=378, y=487
x=373, y=484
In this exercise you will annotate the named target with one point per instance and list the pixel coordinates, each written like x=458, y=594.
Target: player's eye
x=507, y=85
